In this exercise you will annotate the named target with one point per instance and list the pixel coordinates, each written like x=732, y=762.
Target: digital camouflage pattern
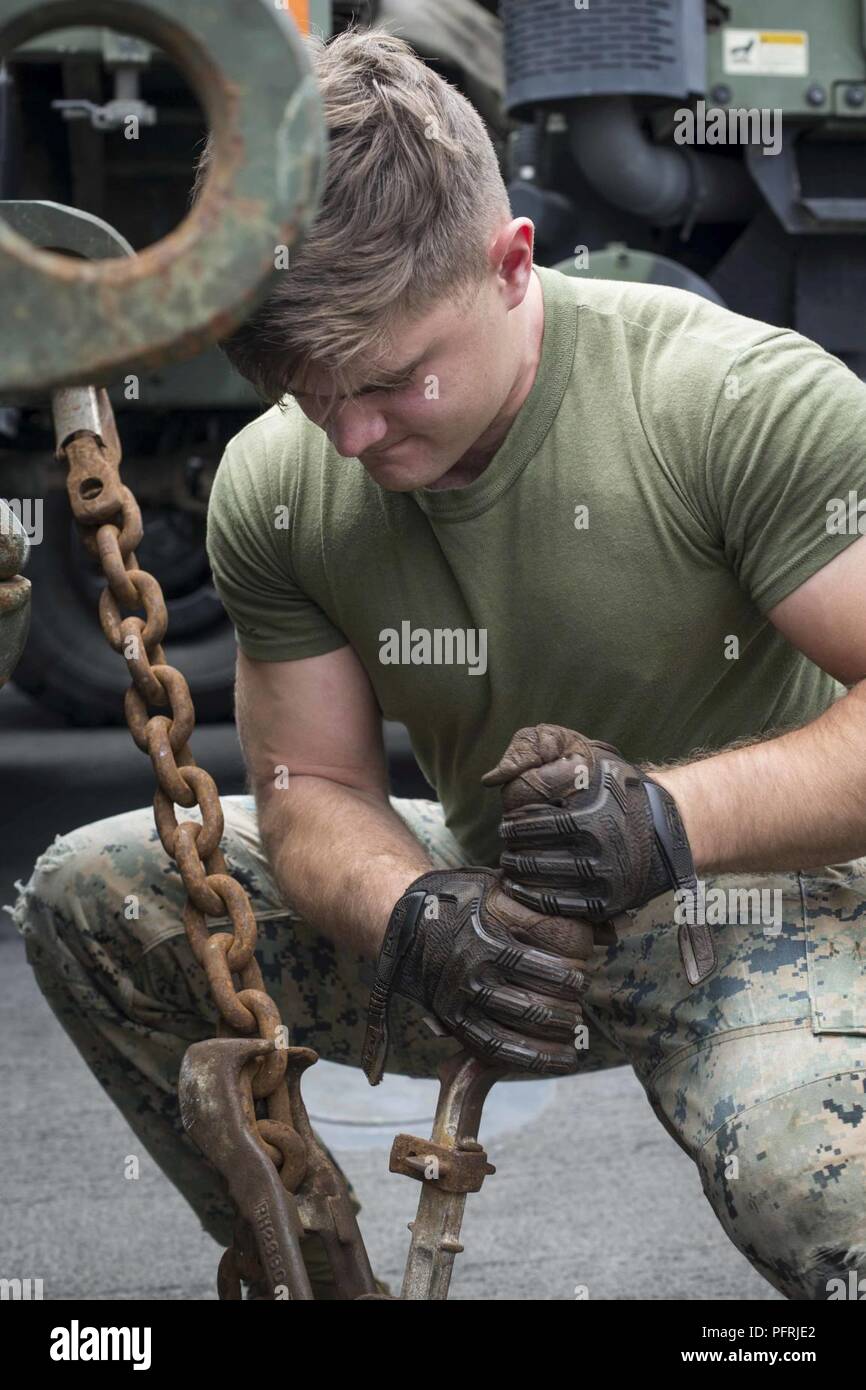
x=759, y=1074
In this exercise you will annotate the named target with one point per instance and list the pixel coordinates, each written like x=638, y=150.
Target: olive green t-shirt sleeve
x=786, y=447
x=249, y=539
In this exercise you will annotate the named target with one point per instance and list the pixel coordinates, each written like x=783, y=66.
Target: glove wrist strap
x=697, y=949
x=398, y=934
x=671, y=839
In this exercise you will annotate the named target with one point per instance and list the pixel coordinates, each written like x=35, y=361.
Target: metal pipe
x=663, y=185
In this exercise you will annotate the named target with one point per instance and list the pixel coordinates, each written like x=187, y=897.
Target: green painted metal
x=617, y=261
x=83, y=39
x=74, y=322
x=321, y=17
x=48, y=225
x=835, y=58
x=125, y=48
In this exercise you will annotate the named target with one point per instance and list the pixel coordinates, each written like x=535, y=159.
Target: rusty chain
x=110, y=525
x=219, y=1090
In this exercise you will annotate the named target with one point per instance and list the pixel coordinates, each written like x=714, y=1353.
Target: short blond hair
x=413, y=194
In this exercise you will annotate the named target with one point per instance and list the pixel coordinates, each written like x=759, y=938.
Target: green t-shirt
x=666, y=482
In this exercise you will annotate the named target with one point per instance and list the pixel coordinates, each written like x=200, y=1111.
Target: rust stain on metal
x=13, y=546
x=13, y=593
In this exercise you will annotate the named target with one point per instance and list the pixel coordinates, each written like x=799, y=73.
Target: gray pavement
x=589, y=1189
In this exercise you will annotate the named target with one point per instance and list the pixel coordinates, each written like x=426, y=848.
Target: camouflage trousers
x=759, y=1074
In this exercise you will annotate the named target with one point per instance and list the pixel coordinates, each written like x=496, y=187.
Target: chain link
x=109, y=522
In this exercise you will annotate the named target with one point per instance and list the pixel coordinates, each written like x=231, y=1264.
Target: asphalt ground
x=590, y=1193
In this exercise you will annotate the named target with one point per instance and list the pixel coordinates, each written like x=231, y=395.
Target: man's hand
x=504, y=980
x=586, y=833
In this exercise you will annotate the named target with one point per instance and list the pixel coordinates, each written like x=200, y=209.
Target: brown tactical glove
x=495, y=974
x=588, y=834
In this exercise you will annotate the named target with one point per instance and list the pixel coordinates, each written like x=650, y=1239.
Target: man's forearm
x=791, y=802
x=340, y=856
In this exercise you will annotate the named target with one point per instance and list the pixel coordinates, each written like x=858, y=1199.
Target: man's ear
x=511, y=258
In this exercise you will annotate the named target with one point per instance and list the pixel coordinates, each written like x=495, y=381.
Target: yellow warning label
x=781, y=36
x=766, y=52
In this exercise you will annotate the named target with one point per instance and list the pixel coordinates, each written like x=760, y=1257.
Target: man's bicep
x=274, y=619
x=316, y=717
x=786, y=453
x=825, y=617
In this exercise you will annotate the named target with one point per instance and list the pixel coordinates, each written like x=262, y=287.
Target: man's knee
x=94, y=882
x=787, y=1179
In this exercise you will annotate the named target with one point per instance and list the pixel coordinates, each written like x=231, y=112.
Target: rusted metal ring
x=111, y=622
x=185, y=852
x=196, y=930
x=166, y=819
x=131, y=636
x=146, y=682
x=272, y=1067
x=255, y=83
x=210, y=830
x=147, y=594
x=175, y=730
x=131, y=530
x=210, y=951
x=239, y=908
x=168, y=772
x=137, y=717
x=182, y=716
x=205, y=791
x=122, y=587
x=292, y=1149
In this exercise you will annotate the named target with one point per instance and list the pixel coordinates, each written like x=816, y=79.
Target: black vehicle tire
x=67, y=664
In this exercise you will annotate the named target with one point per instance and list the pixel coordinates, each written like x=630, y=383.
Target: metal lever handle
x=459, y=1166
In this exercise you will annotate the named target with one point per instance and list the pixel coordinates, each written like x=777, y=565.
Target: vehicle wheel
x=67, y=663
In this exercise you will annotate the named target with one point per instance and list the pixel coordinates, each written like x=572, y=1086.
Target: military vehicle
x=66, y=101
x=718, y=147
